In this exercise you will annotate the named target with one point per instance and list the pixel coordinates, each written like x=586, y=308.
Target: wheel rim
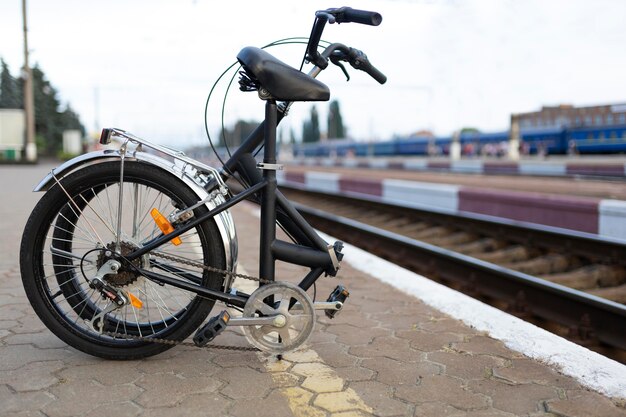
x=88, y=223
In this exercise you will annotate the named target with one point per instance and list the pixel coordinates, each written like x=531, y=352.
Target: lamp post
x=29, y=108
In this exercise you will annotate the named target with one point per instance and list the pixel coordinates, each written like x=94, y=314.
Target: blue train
x=584, y=140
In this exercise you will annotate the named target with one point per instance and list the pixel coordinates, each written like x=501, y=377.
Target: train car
x=606, y=139
x=414, y=145
x=386, y=148
x=547, y=140
x=592, y=140
x=478, y=143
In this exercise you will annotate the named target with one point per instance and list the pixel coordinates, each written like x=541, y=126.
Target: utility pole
x=514, y=139
x=29, y=108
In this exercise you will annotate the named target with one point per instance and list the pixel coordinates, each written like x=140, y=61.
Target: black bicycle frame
x=309, y=249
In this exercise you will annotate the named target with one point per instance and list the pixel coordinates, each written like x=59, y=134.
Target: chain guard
x=275, y=300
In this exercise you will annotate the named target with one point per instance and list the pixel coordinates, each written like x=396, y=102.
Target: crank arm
x=276, y=321
x=321, y=305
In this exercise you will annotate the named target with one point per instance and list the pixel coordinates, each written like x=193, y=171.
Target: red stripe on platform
x=611, y=170
x=500, y=168
x=298, y=177
x=576, y=213
x=363, y=186
x=438, y=165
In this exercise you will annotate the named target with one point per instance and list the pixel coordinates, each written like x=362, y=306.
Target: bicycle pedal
x=211, y=329
x=339, y=295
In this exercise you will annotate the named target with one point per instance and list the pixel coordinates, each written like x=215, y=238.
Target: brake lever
x=336, y=61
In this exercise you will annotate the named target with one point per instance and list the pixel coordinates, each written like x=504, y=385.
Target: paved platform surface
x=387, y=354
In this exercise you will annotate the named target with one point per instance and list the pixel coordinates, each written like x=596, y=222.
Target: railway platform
x=613, y=166
x=389, y=353
x=591, y=206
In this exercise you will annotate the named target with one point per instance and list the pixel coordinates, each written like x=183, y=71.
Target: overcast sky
x=148, y=65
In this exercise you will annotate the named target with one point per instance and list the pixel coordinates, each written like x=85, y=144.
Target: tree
x=235, y=136
x=10, y=89
x=335, y=122
x=50, y=120
x=311, y=128
x=469, y=130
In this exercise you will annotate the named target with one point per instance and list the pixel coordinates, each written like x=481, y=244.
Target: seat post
x=268, y=197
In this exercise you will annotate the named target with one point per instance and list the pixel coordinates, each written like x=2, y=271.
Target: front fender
x=224, y=220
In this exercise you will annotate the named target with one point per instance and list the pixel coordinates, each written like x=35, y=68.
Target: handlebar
x=338, y=52
x=337, y=15
x=348, y=14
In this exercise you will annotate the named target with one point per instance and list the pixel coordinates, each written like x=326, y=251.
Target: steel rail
x=543, y=299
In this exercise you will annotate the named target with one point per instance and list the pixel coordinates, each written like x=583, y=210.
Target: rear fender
x=224, y=220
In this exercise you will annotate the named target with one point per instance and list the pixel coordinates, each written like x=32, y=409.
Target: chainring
x=279, y=298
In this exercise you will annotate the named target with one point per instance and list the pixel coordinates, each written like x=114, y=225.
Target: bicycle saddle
x=283, y=82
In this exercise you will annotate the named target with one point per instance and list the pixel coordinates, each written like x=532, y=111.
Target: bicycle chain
x=182, y=342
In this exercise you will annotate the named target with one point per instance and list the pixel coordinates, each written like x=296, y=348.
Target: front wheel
x=73, y=231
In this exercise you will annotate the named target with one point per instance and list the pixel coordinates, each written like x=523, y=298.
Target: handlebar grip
x=374, y=73
x=348, y=14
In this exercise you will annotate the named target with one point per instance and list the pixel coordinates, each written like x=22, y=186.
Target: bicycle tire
x=64, y=241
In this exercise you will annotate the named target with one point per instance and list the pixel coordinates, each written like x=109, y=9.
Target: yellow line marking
x=320, y=380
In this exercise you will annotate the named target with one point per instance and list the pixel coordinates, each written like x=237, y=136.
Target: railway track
x=571, y=283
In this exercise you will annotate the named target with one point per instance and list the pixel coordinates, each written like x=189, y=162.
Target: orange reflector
x=134, y=301
x=165, y=226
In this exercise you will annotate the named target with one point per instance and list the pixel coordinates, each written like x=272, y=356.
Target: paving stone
x=516, y=399
x=80, y=396
x=7, y=324
x=25, y=413
x=15, y=402
x=394, y=373
x=335, y=355
x=196, y=362
x=352, y=373
x=443, y=389
x=103, y=371
x=43, y=340
x=166, y=390
x=206, y=405
x=300, y=399
x=235, y=359
x=582, y=403
x=400, y=322
x=353, y=413
x=379, y=397
x=341, y=401
x=493, y=413
x=10, y=312
x=32, y=377
x=390, y=347
x=351, y=336
x=16, y=356
x=124, y=409
x=274, y=405
x=285, y=379
x=436, y=408
x=429, y=342
x=484, y=345
x=446, y=325
x=244, y=383
x=466, y=366
x=525, y=371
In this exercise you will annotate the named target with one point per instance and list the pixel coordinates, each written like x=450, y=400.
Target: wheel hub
x=126, y=275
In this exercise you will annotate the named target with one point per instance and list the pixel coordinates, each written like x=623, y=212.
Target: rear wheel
x=73, y=231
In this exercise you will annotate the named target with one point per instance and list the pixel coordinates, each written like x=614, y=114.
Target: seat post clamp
x=273, y=167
